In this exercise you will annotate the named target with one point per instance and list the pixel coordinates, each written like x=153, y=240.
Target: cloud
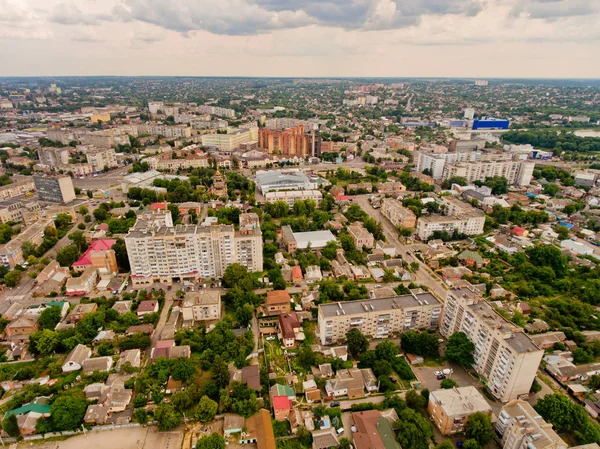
x=70, y=14
x=554, y=9
x=248, y=17
x=17, y=21
x=148, y=38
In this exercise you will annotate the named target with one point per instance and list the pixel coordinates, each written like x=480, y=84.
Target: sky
x=350, y=38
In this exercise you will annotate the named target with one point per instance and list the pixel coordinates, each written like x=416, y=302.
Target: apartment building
x=450, y=409
x=516, y=171
x=17, y=188
x=378, y=318
x=203, y=307
x=294, y=195
x=230, y=141
x=161, y=252
x=54, y=157
x=398, y=215
x=504, y=356
x=215, y=110
x=173, y=165
x=362, y=237
x=520, y=426
x=11, y=253
x=469, y=224
x=169, y=132
x=101, y=158
x=294, y=141
x=19, y=212
x=57, y=189
x=391, y=188
x=435, y=162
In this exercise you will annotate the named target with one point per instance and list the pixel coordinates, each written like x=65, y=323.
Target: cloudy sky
x=442, y=38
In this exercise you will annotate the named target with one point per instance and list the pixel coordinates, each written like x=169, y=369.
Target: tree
x=220, y=372
x=460, y=349
x=67, y=412
x=445, y=445
x=84, y=210
x=28, y=248
x=78, y=239
x=471, y=444
x=386, y=350
x=166, y=417
x=50, y=317
x=357, y=342
x=207, y=409
x=11, y=426
x=183, y=369
x=551, y=189
x=62, y=221
x=141, y=416
x=100, y=214
x=12, y=278
x=68, y=255
x=121, y=255
x=212, y=441
x=420, y=343
x=237, y=275
x=448, y=384
x=415, y=400
x=414, y=431
x=46, y=341
x=479, y=428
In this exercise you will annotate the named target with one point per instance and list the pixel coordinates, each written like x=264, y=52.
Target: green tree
x=46, y=341
x=386, y=350
x=551, y=189
x=414, y=431
x=207, y=409
x=471, y=444
x=448, y=384
x=220, y=372
x=212, y=441
x=166, y=417
x=121, y=255
x=11, y=426
x=479, y=428
x=183, y=369
x=84, y=210
x=49, y=317
x=445, y=445
x=100, y=214
x=141, y=416
x=62, y=221
x=78, y=239
x=68, y=255
x=357, y=342
x=67, y=412
x=415, y=400
x=12, y=278
x=460, y=349
x=237, y=275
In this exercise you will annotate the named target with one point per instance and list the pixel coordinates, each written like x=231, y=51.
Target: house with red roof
x=282, y=406
x=518, y=231
x=296, y=273
x=159, y=206
x=99, y=256
x=147, y=307
x=290, y=329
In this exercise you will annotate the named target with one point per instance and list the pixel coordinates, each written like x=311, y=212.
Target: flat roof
x=313, y=236
x=378, y=305
x=461, y=401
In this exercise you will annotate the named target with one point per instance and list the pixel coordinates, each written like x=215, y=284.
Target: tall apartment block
x=290, y=142
x=101, y=158
x=520, y=426
x=161, y=252
x=504, y=356
x=398, y=215
x=378, y=318
x=53, y=157
x=57, y=189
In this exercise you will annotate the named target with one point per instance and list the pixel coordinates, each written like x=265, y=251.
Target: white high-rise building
x=158, y=251
x=469, y=113
x=504, y=356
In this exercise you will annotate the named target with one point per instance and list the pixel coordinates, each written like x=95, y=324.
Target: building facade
x=293, y=141
x=378, y=318
x=294, y=195
x=57, y=189
x=450, y=409
x=504, y=356
x=398, y=215
x=161, y=252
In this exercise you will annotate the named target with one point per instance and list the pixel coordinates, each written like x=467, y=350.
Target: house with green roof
x=282, y=390
x=471, y=258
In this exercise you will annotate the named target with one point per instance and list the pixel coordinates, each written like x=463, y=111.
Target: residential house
x=83, y=284
x=373, y=431
x=277, y=302
x=450, y=409
x=362, y=237
x=122, y=307
x=75, y=358
x=97, y=364
x=251, y=377
x=203, y=307
x=232, y=423
x=97, y=414
x=259, y=430
x=282, y=407
x=147, y=307
x=290, y=329
x=22, y=327
x=351, y=383
x=313, y=274
x=79, y=311
x=131, y=357
x=28, y=416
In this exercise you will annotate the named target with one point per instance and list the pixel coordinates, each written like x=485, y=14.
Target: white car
x=270, y=338
x=437, y=373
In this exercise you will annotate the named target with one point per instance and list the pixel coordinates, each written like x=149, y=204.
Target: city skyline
x=362, y=38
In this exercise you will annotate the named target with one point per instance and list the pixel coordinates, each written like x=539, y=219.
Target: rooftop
x=378, y=305
x=461, y=401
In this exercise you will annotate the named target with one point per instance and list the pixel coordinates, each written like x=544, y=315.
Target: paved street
x=103, y=180
x=423, y=276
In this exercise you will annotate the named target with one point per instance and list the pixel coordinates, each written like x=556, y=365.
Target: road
x=422, y=276
x=103, y=180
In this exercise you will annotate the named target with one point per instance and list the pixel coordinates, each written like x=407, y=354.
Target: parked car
x=334, y=404
x=440, y=377
x=270, y=338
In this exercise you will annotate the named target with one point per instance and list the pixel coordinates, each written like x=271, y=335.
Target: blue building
x=490, y=123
